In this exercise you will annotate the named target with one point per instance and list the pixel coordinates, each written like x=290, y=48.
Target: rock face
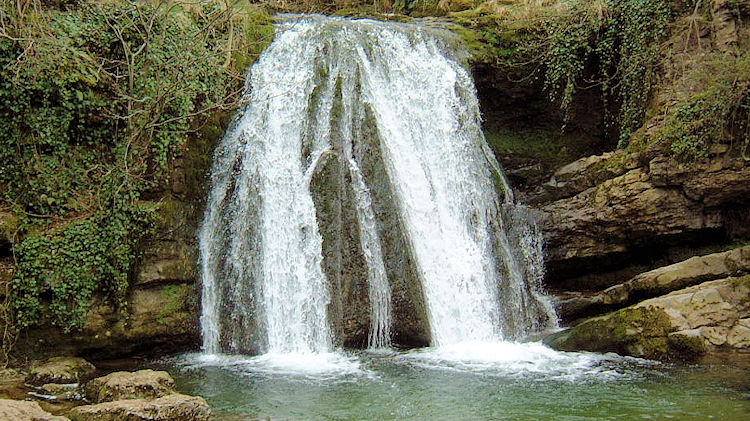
x=25, y=411
x=172, y=407
x=60, y=370
x=143, y=384
x=657, y=282
x=602, y=211
x=162, y=312
x=714, y=315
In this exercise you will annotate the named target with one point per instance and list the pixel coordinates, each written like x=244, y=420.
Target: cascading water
x=331, y=89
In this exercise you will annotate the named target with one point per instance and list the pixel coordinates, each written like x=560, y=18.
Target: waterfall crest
x=336, y=87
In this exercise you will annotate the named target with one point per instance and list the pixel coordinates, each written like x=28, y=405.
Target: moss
x=9, y=224
x=547, y=144
x=175, y=297
x=637, y=331
x=686, y=346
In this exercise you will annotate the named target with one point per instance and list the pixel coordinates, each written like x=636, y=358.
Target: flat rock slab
x=173, y=407
x=25, y=411
x=143, y=384
x=62, y=370
x=693, y=271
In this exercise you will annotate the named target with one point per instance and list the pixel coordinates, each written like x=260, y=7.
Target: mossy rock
x=60, y=370
x=142, y=384
x=638, y=331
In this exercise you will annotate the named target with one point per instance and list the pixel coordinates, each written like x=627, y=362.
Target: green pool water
x=530, y=384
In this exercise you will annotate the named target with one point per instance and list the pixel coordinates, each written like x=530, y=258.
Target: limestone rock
x=173, y=407
x=58, y=392
x=157, y=315
x=608, y=218
x=60, y=370
x=25, y=411
x=680, y=325
x=142, y=384
x=10, y=375
x=659, y=281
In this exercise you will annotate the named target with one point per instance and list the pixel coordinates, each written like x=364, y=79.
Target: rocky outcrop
x=60, y=370
x=172, y=407
x=602, y=211
x=25, y=411
x=684, y=324
x=656, y=282
x=143, y=384
x=157, y=316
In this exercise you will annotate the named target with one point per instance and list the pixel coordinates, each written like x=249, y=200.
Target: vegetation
x=718, y=112
x=97, y=98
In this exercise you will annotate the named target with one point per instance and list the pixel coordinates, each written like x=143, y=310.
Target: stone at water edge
x=142, y=384
x=173, y=407
x=653, y=283
x=60, y=370
x=682, y=325
x=25, y=411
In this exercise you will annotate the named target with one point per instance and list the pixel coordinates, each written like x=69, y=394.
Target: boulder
x=712, y=316
x=656, y=282
x=173, y=407
x=143, y=384
x=60, y=370
x=25, y=411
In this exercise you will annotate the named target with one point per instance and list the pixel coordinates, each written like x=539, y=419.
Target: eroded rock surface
x=684, y=324
x=142, y=384
x=602, y=211
x=13, y=410
x=61, y=370
x=172, y=407
x=659, y=281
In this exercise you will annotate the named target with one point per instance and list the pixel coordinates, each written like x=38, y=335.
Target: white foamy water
x=511, y=359
x=308, y=366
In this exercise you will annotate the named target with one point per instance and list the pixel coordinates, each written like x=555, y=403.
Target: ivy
x=73, y=262
x=619, y=39
x=96, y=100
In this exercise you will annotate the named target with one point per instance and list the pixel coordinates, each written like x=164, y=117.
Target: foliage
x=715, y=109
x=75, y=261
x=610, y=45
x=96, y=99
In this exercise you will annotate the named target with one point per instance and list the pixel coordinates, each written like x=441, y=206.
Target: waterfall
x=334, y=93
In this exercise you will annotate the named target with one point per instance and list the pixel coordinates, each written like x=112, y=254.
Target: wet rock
x=60, y=370
x=173, y=407
x=58, y=392
x=656, y=282
x=25, y=411
x=142, y=384
x=712, y=316
x=158, y=316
